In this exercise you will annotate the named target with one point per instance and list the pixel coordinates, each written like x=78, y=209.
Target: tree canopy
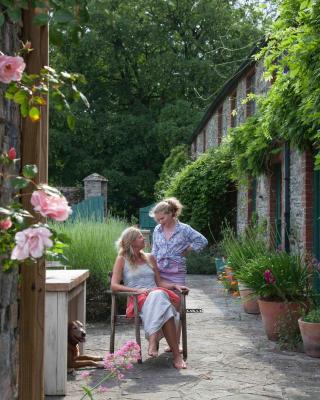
x=152, y=67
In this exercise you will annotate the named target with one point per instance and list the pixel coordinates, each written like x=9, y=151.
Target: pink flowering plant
x=20, y=240
x=278, y=276
x=115, y=365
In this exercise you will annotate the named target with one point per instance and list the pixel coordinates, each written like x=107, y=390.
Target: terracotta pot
x=310, y=332
x=274, y=313
x=249, y=302
x=229, y=273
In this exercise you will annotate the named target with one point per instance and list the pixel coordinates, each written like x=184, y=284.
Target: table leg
x=56, y=343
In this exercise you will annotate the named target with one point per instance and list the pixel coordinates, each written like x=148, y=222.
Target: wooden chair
x=120, y=319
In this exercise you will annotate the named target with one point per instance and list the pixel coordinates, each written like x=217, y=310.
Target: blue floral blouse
x=168, y=253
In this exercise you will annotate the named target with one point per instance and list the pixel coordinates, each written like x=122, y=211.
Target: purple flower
x=268, y=276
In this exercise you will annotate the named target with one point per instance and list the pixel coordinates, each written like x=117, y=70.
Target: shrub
x=201, y=263
x=206, y=191
x=93, y=247
x=312, y=316
x=176, y=161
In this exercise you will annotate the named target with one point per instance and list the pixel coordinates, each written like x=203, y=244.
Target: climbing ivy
x=290, y=110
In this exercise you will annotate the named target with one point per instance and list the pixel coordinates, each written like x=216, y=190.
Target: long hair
x=124, y=245
x=171, y=205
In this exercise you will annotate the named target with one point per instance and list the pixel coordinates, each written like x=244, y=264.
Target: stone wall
x=10, y=136
x=296, y=201
x=73, y=194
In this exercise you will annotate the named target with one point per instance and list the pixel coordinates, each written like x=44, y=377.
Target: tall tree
x=152, y=66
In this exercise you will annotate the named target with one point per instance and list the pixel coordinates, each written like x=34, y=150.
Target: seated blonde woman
x=158, y=305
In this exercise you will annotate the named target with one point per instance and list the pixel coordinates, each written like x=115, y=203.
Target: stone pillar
x=96, y=185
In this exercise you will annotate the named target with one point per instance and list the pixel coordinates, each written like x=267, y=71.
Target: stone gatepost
x=96, y=185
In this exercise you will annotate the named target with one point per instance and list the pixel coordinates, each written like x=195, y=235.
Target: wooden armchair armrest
x=123, y=293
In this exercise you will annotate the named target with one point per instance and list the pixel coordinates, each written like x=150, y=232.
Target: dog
x=76, y=335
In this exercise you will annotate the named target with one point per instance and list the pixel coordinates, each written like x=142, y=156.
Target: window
x=233, y=107
x=219, y=130
x=250, y=88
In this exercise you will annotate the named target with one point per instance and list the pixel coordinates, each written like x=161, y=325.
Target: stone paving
x=229, y=358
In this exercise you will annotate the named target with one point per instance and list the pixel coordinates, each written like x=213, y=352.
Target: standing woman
x=173, y=240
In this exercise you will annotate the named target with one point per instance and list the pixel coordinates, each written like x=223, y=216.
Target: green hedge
x=207, y=192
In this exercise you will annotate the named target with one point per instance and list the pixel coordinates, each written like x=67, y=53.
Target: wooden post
x=32, y=297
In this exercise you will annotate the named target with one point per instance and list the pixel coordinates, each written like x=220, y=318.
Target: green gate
x=145, y=221
x=92, y=208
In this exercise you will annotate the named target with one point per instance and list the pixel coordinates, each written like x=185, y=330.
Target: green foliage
x=247, y=246
x=93, y=247
x=290, y=110
x=177, y=160
x=201, y=263
x=32, y=91
x=312, y=316
x=63, y=16
x=206, y=191
x=152, y=67
x=175, y=124
x=290, y=279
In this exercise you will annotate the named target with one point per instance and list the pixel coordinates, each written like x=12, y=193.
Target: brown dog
x=76, y=335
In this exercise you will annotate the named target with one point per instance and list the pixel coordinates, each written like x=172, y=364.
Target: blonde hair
x=170, y=205
x=124, y=245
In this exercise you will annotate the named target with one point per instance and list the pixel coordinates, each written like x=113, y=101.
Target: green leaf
x=71, y=121
x=19, y=182
x=24, y=109
x=41, y=19
x=20, y=97
x=5, y=211
x=34, y=114
x=84, y=99
x=62, y=16
x=14, y=14
x=49, y=189
x=29, y=171
x=88, y=392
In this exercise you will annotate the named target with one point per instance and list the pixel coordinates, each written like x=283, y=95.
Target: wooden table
x=65, y=301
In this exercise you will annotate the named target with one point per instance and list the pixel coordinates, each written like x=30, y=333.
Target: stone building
x=287, y=197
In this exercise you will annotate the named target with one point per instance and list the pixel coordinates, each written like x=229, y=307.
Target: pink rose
x=52, y=206
x=12, y=154
x=11, y=68
x=5, y=224
x=31, y=242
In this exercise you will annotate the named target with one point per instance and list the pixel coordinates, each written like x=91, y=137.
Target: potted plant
x=309, y=326
x=282, y=283
x=240, y=250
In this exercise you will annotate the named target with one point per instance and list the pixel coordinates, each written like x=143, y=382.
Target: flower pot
x=249, y=302
x=276, y=313
x=310, y=332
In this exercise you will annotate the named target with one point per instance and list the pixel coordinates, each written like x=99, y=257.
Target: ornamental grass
x=92, y=247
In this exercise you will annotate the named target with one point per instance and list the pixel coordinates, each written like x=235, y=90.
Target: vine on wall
x=290, y=110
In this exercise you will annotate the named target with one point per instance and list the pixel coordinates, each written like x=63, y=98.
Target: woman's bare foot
x=153, y=349
x=168, y=349
x=153, y=352
x=179, y=363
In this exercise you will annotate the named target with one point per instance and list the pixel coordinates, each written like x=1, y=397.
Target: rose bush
x=20, y=241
